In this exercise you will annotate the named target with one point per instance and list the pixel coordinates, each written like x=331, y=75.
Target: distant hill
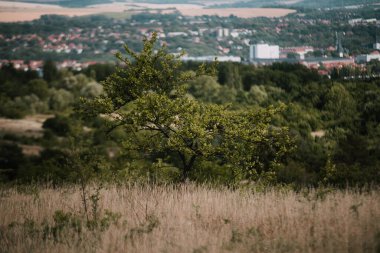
x=223, y=3
x=296, y=3
x=333, y=3
x=83, y=3
x=66, y=3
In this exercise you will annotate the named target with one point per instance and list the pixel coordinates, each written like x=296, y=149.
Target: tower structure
x=338, y=45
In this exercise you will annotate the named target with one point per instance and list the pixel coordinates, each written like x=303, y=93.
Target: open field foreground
x=16, y=11
x=189, y=219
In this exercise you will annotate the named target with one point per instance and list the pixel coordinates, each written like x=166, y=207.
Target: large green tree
x=147, y=98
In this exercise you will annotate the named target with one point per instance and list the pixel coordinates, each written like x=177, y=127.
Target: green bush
x=59, y=125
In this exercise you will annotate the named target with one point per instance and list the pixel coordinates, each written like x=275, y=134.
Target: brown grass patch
x=239, y=12
x=194, y=219
x=30, y=126
x=31, y=150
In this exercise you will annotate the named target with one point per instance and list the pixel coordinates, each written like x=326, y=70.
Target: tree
x=228, y=75
x=340, y=106
x=148, y=99
x=205, y=88
x=60, y=125
x=11, y=160
x=50, y=71
x=60, y=99
x=38, y=87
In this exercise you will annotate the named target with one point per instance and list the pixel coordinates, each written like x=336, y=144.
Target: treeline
x=305, y=4
x=333, y=124
x=27, y=92
x=68, y=3
x=52, y=24
x=332, y=121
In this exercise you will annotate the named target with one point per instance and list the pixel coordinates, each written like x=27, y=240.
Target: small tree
x=147, y=97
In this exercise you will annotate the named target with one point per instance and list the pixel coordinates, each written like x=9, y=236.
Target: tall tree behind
x=50, y=71
x=228, y=74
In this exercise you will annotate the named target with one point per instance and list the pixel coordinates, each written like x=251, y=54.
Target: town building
x=328, y=63
x=263, y=51
x=223, y=32
x=211, y=58
x=375, y=55
x=299, y=51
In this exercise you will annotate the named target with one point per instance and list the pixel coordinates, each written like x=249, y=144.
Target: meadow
x=188, y=218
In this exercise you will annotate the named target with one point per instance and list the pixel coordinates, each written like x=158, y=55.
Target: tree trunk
x=187, y=166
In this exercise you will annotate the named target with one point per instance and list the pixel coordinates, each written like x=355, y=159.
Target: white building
x=220, y=33
x=226, y=32
x=264, y=51
x=355, y=21
x=194, y=33
x=300, y=51
x=376, y=46
x=359, y=21
x=212, y=58
x=234, y=34
x=371, y=21
x=176, y=34
x=223, y=32
x=368, y=57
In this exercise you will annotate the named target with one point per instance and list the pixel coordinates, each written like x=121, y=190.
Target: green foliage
x=205, y=88
x=340, y=106
x=60, y=100
x=39, y=88
x=228, y=74
x=151, y=222
x=158, y=121
x=59, y=125
x=258, y=94
x=147, y=97
x=100, y=72
x=65, y=226
x=50, y=71
x=10, y=109
x=11, y=161
x=22, y=93
x=62, y=221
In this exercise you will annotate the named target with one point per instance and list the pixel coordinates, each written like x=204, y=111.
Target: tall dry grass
x=192, y=219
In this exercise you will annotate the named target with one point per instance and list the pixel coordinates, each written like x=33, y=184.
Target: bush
x=59, y=125
x=11, y=160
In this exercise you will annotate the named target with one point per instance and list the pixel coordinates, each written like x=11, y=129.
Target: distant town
x=83, y=41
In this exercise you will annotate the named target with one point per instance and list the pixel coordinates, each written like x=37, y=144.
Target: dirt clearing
x=30, y=126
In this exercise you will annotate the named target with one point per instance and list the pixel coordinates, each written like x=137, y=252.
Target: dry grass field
x=17, y=11
x=30, y=126
x=239, y=12
x=190, y=219
x=14, y=12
